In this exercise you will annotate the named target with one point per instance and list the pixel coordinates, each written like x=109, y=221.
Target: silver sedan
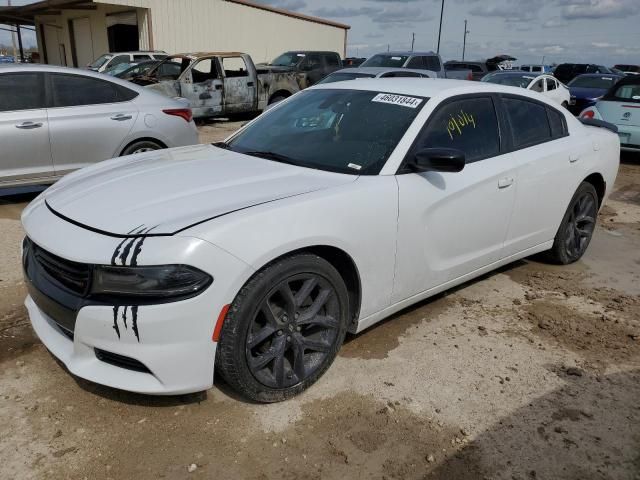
x=54, y=120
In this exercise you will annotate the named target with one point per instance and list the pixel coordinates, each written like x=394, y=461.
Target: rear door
x=89, y=120
x=451, y=224
x=545, y=156
x=24, y=128
x=552, y=90
x=239, y=86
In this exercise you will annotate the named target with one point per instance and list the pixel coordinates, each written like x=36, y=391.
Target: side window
x=76, y=90
x=312, y=61
x=141, y=58
x=332, y=60
x=475, y=68
x=416, y=62
x=551, y=84
x=538, y=86
x=557, y=122
x=433, y=63
x=234, y=67
x=27, y=91
x=468, y=125
x=528, y=121
x=118, y=59
x=202, y=71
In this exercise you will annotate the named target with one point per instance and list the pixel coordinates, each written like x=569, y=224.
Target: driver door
x=202, y=86
x=452, y=224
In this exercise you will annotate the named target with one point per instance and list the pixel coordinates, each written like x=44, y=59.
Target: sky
x=591, y=31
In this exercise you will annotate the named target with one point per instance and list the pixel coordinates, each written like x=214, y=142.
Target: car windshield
x=339, y=77
x=288, y=59
x=602, y=82
x=517, y=80
x=100, y=61
x=119, y=68
x=384, y=60
x=346, y=131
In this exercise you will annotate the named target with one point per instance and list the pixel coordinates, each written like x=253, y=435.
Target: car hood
x=167, y=191
x=581, y=92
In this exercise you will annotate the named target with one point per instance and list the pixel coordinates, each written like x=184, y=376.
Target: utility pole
x=413, y=40
x=13, y=38
x=388, y=46
x=464, y=41
x=440, y=29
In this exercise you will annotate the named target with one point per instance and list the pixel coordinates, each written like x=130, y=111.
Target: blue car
x=587, y=89
x=7, y=59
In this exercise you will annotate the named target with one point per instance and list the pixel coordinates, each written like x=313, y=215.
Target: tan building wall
x=200, y=25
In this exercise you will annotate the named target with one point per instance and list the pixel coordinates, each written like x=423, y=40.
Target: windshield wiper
x=273, y=156
x=224, y=145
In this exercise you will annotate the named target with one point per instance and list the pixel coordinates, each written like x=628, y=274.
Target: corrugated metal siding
x=200, y=25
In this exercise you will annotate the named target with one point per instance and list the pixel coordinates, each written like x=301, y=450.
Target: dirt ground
x=531, y=372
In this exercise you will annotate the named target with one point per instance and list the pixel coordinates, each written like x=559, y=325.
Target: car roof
x=380, y=70
x=434, y=87
x=407, y=53
x=37, y=67
x=599, y=75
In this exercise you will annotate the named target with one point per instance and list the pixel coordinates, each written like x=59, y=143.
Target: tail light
x=588, y=114
x=469, y=76
x=184, y=113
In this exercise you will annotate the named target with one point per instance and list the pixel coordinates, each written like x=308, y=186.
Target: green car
x=621, y=106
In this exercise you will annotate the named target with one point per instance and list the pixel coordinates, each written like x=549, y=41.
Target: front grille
x=73, y=276
x=120, y=361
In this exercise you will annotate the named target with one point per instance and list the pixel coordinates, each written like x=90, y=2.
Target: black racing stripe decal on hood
x=180, y=230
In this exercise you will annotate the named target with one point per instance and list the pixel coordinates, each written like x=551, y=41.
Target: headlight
x=148, y=282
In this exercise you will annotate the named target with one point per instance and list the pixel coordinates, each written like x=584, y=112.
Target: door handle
x=250, y=84
x=28, y=125
x=573, y=158
x=505, y=182
x=121, y=117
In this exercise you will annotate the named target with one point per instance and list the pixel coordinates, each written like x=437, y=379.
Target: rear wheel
x=578, y=224
x=141, y=146
x=284, y=328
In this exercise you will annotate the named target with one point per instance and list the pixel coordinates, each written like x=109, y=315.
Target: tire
x=277, y=99
x=141, y=146
x=576, y=230
x=263, y=353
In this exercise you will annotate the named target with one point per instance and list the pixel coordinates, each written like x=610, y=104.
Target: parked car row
x=58, y=119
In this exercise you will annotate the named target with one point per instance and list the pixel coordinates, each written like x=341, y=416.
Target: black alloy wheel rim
x=293, y=331
x=582, y=222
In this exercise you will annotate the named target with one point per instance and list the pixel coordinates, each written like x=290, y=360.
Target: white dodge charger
x=340, y=206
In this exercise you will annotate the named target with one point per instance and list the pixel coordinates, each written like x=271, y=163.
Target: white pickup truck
x=219, y=84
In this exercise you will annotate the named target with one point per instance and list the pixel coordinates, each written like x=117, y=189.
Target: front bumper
x=170, y=350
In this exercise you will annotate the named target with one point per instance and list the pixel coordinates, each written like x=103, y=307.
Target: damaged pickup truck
x=219, y=84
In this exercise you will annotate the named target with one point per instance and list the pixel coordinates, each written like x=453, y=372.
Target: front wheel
x=578, y=224
x=284, y=328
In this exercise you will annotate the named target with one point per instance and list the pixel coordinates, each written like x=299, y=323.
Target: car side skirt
x=371, y=320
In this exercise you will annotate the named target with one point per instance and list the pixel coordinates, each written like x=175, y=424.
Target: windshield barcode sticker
x=401, y=100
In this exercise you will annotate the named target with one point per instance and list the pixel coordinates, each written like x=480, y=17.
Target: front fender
x=359, y=218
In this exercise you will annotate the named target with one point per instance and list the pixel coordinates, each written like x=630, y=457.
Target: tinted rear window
x=630, y=92
x=26, y=91
x=76, y=90
x=529, y=122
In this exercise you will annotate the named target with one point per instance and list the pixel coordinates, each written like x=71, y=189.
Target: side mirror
x=438, y=160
